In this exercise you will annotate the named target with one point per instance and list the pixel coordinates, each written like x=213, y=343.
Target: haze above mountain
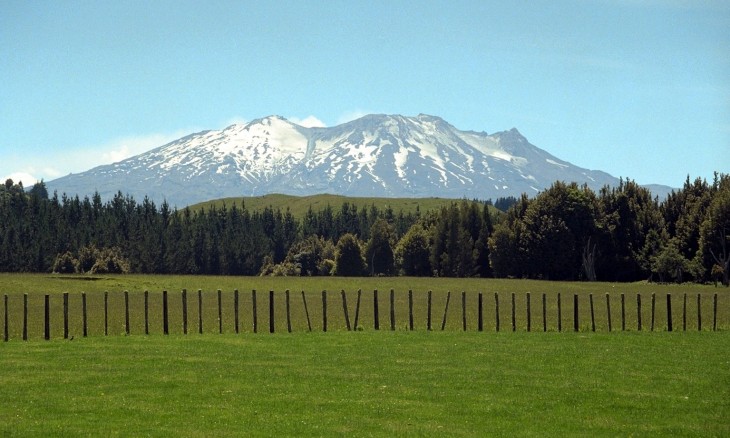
x=376, y=155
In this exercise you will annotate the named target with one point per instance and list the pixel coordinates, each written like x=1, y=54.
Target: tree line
x=621, y=233
x=567, y=232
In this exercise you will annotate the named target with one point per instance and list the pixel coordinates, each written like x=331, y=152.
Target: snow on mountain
x=376, y=155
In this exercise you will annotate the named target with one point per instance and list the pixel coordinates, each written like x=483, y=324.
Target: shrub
x=87, y=258
x=65, y=264
x=286, y=269
x=326, y=267
x=110, y=261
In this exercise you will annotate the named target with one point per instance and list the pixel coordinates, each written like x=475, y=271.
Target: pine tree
x=715, y=232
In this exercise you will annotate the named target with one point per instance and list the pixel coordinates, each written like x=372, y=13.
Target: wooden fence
x=219, y=312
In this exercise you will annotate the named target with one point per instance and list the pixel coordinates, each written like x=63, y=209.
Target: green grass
x=298, y=205
x=54, y=284
x=369, y=384
x=361, y=383
x=37, y=285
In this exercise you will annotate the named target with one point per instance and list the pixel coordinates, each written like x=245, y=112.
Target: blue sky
x=639, y=89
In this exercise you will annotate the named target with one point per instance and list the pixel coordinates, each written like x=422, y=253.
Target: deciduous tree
x=349, y=261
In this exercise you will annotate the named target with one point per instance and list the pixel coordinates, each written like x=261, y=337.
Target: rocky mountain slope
x=376, y=155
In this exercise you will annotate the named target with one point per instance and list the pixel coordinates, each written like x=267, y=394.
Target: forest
x=566, y=232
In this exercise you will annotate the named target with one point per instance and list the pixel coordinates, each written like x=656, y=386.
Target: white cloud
x=235, y=120
x=308, y=122
x=27, y=179
x=349, y=116
x=123, y=148
x=54, y=164
x=29, y=174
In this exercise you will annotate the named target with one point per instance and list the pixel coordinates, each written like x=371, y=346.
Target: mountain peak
x=269, y=119
x=513, y=136
x=429, y=117
x=375, y=155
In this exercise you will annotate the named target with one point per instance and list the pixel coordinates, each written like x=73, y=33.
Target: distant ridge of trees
x=567, y=232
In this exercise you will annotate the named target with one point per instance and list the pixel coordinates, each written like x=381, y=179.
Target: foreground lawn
x=369, y=383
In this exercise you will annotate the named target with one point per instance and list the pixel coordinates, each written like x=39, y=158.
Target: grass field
x=37, y=285
x=369, y=384
x=54, y=284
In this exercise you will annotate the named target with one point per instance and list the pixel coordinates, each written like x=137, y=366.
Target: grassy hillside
x=300, y=204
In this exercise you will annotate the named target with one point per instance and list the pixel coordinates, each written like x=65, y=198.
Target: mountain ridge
x=375, y=155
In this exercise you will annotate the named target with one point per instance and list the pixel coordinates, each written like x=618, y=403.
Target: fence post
x=623, y=313
x=272, y=324
x=480, y=316
x=344, y=309
x=324, y=311
x=65, y=315
x=83, y=313
x=593, y=315
x=376, y=311
x=653, y=307
x=514, y=319
x=220, y=312
x=25, y=317
x=684, y=313
x=669, y=312
x=496, y=311
x=126, y=312
x=608, y=311
x=255, y=311
x=529, y=312
x=428, y=318
x=185, y=311
x=446, y=310
x=106, y=313
x=392, y=310
x=714, y=313
x=288, y=312
x=357, y=309
x=544, y=312
x=200, y=311
x=575, y=313
x=47, y=319
x=6, y=337
x=306, y=311
x=165, y=316
x=410, y=309
x=699, y=314
x=236, y=319
x=146, y=312
x=463, y=310
x=560, y=314
x=638, y=312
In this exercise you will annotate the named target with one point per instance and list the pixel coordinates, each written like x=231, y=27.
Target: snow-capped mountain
x=376, y=155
